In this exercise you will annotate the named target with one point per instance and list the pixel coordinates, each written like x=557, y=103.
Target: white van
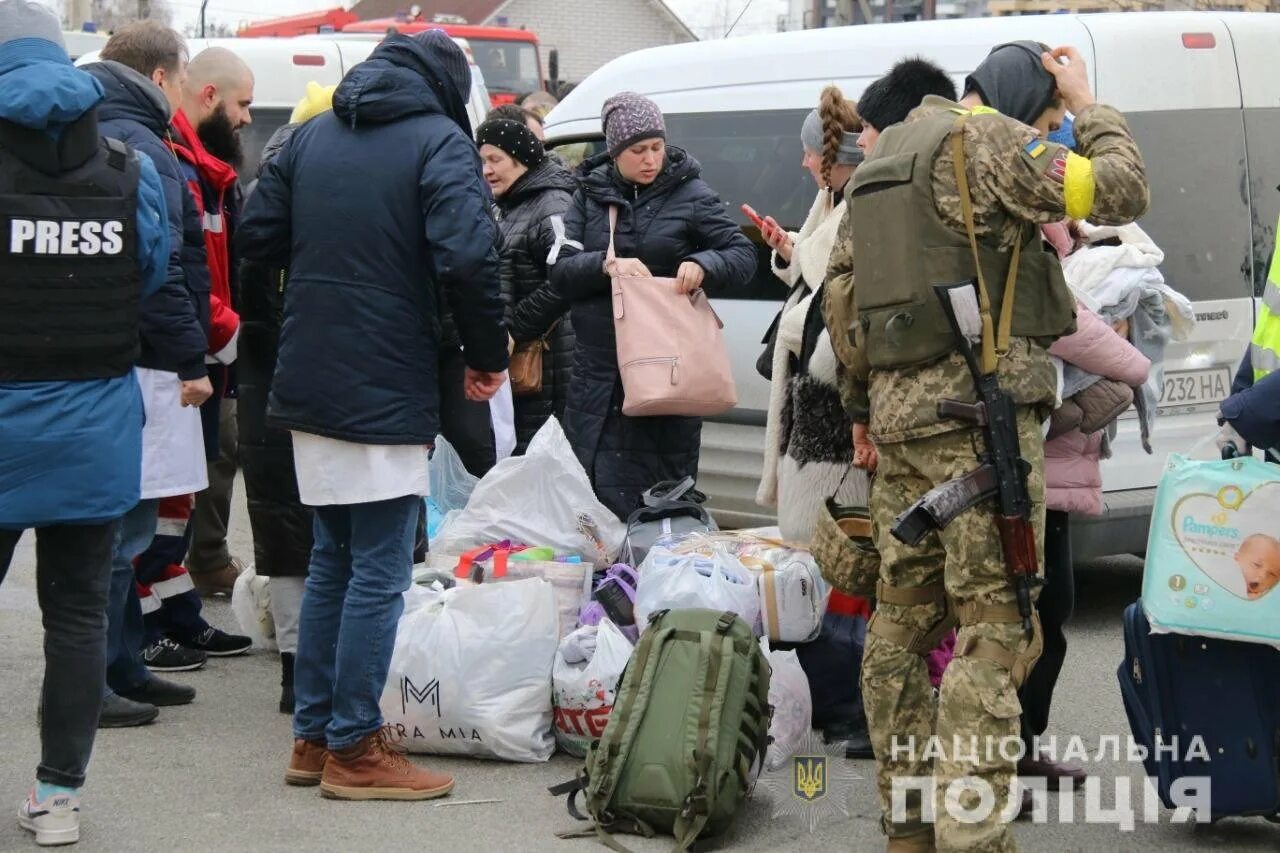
x=282, y=68
x=1199, y=92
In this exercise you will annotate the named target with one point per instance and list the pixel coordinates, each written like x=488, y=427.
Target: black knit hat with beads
x=513, y=137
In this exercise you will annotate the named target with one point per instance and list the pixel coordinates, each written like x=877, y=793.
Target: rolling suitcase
x=1177, y=688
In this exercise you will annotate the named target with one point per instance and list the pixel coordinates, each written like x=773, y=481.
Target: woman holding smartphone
x=808, y=453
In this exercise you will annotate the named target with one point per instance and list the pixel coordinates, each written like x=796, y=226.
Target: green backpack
x=690, y=719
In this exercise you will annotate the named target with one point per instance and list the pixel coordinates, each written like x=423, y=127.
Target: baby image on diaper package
x=1213, y=553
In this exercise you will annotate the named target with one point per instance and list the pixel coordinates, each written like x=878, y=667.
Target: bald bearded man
x=216, y=101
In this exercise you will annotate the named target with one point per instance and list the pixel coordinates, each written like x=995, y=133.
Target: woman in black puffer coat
x=670, y=223
x=533, y=192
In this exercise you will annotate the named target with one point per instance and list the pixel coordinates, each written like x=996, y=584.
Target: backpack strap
x=693, y=817
x=117, y=154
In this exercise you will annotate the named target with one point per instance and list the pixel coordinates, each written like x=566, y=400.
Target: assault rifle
x=1002, y=473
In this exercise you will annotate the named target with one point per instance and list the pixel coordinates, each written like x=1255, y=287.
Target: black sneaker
x=167, y=656
x=217, y=644
x=159, y=692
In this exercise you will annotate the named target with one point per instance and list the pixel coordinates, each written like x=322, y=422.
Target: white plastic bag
x=793, y=595
x=584, y=691
x=470, y=671
x=792, y=708
x=451, y=483
x=251, y=604
x=541, y=498
x=671, y=581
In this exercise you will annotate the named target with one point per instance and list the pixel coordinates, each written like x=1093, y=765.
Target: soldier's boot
x=921, y=842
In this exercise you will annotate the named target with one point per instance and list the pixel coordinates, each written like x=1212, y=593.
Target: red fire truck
x=508, y=57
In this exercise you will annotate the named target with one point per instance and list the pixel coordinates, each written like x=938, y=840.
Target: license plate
x=1195, y=388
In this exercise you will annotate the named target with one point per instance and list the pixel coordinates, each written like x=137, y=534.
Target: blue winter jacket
x=175, y=321
x=71, y=452
x=375, y=209
x=1254, y=407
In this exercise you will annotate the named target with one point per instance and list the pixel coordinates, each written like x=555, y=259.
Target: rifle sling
x=993, y=346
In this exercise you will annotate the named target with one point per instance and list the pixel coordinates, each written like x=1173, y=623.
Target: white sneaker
x=55, y=821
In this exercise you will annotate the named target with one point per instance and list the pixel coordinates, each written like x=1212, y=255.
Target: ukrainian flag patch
x=1034, y=148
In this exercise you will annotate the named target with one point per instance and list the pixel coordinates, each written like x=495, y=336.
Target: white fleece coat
x=798, y=490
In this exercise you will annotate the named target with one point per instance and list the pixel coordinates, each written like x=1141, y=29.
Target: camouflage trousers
x=978, y=698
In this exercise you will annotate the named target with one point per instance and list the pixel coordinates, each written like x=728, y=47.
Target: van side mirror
x=553, y=70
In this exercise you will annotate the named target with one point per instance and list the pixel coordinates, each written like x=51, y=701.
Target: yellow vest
x=1264, y=352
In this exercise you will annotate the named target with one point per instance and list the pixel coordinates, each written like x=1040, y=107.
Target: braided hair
x=839, y=116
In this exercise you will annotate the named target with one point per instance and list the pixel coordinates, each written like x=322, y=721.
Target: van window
x=266, y=121
x=752, y=158
x=1199, y=214
x=1262, y=128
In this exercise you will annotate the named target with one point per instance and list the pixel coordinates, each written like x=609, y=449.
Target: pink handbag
x=671, y=351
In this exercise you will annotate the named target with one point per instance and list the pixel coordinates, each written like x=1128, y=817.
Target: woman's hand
x=689, y=277
x=777, y=238
x=864, y=451
x=627, y=267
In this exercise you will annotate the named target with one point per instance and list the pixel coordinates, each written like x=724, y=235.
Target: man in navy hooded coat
x=378, y=210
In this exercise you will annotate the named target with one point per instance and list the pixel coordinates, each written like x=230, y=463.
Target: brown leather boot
x=374, y=770
x=306, y=765
x=921, y=842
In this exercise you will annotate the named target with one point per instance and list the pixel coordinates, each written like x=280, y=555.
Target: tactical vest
x=1264, y=348
x=69, y=277
x=902, y=248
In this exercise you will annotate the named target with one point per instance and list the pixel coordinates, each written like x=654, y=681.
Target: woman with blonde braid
x=808, y=455
x=808, y=452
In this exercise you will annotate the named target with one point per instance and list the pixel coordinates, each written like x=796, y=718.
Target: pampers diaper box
x=1213, y=553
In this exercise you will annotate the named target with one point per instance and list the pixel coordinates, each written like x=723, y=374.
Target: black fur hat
x=888, y=100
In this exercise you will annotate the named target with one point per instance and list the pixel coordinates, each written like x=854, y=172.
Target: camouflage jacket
x=1014, y=178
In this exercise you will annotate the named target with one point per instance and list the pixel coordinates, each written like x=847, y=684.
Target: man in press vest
x=83, y=239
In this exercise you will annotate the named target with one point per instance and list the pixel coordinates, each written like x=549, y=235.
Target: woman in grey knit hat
x=670, y=223
x=808, y=452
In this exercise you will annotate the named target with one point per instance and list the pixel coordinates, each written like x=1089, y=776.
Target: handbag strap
x=674, y=491
x=993, y=347
x=610, y=256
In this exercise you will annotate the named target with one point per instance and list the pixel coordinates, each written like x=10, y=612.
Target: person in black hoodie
x=670, y=223
x=281, y=523
x=533, y=194
x=376, y=209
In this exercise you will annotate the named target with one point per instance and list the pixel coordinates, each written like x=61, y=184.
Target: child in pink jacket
x=1073, y=484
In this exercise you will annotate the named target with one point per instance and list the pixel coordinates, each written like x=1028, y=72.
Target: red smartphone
x=753, y=216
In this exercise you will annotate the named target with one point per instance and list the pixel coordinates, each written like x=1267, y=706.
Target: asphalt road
x=208, y=777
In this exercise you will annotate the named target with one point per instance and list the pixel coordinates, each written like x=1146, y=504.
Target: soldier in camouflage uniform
x=1015, y=178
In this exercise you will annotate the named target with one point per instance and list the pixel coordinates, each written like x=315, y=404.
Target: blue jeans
x=361, y=564
x=125, y=669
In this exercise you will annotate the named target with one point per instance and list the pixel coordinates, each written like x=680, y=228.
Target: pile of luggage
x=1201, y=675
x=650, y=649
